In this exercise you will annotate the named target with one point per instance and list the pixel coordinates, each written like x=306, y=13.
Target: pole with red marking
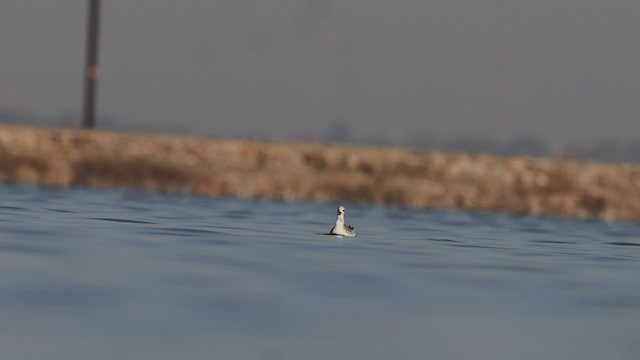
x=91, y=68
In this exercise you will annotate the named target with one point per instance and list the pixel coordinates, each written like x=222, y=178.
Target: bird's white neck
x=340, y=219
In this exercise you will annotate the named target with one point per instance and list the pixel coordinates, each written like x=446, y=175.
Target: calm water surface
x=90, y=274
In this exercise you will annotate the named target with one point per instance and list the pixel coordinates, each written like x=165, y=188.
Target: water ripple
x=30, y=249
x=121, y=220
x=69, y=295
x=623, y=243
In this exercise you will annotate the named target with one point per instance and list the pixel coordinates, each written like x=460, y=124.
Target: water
x=90, y=274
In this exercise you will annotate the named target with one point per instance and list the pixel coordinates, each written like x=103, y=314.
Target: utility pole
x=91, y=68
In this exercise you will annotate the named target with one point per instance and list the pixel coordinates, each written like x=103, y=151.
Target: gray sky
x=565, y=70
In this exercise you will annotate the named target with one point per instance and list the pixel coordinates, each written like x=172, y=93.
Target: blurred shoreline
x=318, y=172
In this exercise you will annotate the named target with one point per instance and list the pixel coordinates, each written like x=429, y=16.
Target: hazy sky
x=566, y=70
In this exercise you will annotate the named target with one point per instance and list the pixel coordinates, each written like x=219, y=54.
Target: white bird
x=341, y=228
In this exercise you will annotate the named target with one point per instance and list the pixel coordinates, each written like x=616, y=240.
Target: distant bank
x=306, y=171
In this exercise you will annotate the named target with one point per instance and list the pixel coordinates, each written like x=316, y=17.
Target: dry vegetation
x=296, y=171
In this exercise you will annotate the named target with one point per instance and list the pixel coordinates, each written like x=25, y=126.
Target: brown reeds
x=297, y=171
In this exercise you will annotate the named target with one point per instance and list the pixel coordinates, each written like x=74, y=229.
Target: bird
x=340, y=228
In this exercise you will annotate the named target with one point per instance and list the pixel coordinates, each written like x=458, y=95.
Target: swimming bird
x=341, y=228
